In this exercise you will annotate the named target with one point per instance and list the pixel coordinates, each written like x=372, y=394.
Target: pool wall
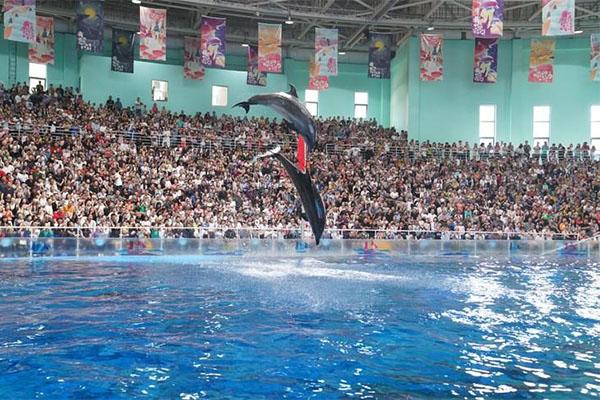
x=79, y=247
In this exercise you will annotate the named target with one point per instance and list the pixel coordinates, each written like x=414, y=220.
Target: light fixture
x=136, y=1
x=289, y=20
x=245, y=45
x=342, y=53
x=579, y=32
x=430, y=28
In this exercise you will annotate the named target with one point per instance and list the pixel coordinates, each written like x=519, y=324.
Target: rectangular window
x=219, y=96
x=37, y=75
x=160, y=90
x=541, y=125
x=487, y=124
x=595, y=128
x=361, y=104
x=311, y=99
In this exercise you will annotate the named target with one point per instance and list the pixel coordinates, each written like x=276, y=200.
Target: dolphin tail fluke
x=269, y=153
x=244, y=104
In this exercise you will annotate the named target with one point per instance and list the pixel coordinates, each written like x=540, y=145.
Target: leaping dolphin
x=289, y=107
x=310, y=197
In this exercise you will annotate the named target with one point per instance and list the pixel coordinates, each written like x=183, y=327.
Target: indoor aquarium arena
x=308, y=199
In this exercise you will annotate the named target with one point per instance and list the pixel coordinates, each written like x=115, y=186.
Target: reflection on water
x=301, y=329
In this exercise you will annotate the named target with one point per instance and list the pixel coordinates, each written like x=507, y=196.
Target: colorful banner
x=19, y=20
x=153, y=34
x=595, y=57
x=485, y=65
x=380, y=55
x=487, y=18
x=212, y=35
x=541, y=61
x=90, y=26
x=326, y=51
x=122, y=50
x=269, y=48
x=558, y=17
x=192, y=59
x=315, y=81
x=42, y=51
x=254, y=77
x=432, y=57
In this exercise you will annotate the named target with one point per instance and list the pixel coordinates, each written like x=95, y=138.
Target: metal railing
x=208, y=139
x=224, y=232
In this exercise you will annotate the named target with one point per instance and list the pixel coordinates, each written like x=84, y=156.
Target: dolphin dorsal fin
x=292, y=91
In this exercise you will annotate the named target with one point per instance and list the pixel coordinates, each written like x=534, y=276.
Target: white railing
x=201, y=138
x=211, y=232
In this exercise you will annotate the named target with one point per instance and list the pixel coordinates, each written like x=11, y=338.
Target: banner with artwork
x=380, y=55
x=326, y=51
x=269, y=48
x=487, y=18
x=541, y=61
x=595, y=57
x=558, y=17
x=90, y=26
x=192, y=59
x=254, y=77
x=122, y=50
x=485, y=64
x=153, y=34
x=212, y=42
x=432, y=57
x=315, y=81
x=42, y=50
x=19, y=20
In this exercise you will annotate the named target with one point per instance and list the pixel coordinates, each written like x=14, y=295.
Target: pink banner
x=19, y=20
x=326, y=51
x=269, y=48
x=485, y=63
x=432, y=57
x=153, y=34
x=541, y=61
x=595, y=57
x=487, y=18
x=558, y=17
x=42, y=51
x=192, y=59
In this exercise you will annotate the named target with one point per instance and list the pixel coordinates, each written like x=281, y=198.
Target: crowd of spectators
x=175, y=170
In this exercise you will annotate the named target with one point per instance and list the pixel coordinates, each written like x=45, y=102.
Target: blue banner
x=122, y=50
x=380, y=55
x=90, y=26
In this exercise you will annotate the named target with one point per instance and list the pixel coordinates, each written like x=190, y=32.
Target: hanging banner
x=541, y=61
x=488, y=18
x=212, y=36
x=380, y=55
x=19, y=20
x=192, y=59
x=42, y=51
x=90, y=26
x=558, y=17
x=269, y=48
x=122, y=50
x=326, y=51
x=432, y=57
x=254, y=77
x=315, y=81
x=153, y=34
x=595, y=57
x=485, y=64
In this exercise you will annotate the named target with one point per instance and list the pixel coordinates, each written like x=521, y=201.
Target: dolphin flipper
x=293, y=92
x=244, y=104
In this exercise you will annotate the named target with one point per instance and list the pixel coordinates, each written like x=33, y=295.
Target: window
x=160, y=90
x=311, y=99
x=361, y=104
x=37, y=75
x=487, y=124
x=219, y=96
x=541, y=125
x=595, y=118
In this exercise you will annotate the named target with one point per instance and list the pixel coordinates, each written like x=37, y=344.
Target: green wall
x=449, y=110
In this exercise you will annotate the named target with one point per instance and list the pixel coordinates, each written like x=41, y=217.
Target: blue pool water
x=298, y=329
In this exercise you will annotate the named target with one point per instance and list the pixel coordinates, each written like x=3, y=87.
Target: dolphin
x=309, y=195
x=289, y=107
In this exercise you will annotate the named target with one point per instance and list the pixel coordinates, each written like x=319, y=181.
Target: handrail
x=466, y=235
